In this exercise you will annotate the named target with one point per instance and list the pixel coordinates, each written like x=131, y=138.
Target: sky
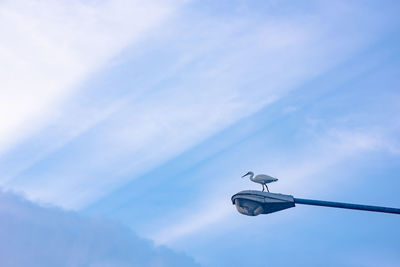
x=126, y=126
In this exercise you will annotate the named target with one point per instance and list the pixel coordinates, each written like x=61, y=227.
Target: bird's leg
x=263, y=188
x=267, y=188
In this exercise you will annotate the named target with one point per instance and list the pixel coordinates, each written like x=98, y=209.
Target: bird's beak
x=245, y=175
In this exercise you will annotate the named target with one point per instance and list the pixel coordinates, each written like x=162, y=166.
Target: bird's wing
x=263, y=177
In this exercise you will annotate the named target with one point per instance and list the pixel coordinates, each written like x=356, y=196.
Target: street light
x=253, y=203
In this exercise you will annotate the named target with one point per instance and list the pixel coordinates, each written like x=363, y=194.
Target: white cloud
x=38, y=236
x=300, y=173
x=47, y=48
x=223, y=73
x=211, y=211
x=367, y=139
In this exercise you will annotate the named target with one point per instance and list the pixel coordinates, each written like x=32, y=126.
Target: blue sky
x=131, y=122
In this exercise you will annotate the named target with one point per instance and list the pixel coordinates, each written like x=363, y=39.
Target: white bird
x=261, y=179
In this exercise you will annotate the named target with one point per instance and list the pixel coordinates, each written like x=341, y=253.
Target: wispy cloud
x=48, y=48
x=185, y=96
x=305, y=167
x=219, y=76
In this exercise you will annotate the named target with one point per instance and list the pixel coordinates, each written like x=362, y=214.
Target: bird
x=261, y=179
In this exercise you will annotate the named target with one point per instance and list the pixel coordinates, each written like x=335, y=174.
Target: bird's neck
x=251, y=176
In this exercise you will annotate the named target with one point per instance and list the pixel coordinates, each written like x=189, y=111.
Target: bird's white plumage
x=262, y=179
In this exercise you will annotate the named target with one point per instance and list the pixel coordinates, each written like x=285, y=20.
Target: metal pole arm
x=345, y=205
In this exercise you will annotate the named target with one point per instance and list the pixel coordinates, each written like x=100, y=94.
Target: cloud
x=212, y=211
x=306, y=166
x=32, y=235
x=215, y=73
x=48, y=48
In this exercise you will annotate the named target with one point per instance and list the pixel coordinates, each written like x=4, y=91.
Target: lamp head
x=253, y=203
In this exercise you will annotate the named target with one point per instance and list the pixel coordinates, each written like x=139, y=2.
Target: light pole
x=253, y=203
